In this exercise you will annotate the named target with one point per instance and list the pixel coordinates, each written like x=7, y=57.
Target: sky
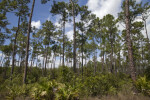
x=99, y=7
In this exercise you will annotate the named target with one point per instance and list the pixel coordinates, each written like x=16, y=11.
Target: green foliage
x=15, y=88
x=65, y=74
x=102, y=84
x=51, y=90
x=34, y=75
x=147, y=73
x=143, y=85
x=18, y=91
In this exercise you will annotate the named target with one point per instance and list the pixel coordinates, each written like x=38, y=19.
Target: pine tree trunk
x=14, y=49
x=111, y=55
x=148, y=41
x=142, y=58
x=28, y=43
x=54, y=59
x=43, y=67
x=103, y=61
x=1, y=60
x=82, y=56
x=60, y=59
x=146, y=32
x=74, y=37
x=63, y=64
x=120, y=67
x=130, y=52
x=45, y=60
x=94, y=62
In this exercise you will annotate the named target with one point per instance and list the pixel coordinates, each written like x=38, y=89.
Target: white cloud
x=48, y=18
x=70, y=34
x=36, y=24
x=57, y=24
x=138, y=1
x=68, y=25
x=148, y=28
x=121, y=26
x=104, y=7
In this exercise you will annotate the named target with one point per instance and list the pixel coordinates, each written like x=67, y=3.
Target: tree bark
x=111, y=55
x=74, y=37
x=128, y=39
x=82, y=56
x=103, y=61
x=28, y=43
x=1, y=61
x=63, y=44
x=45, y=60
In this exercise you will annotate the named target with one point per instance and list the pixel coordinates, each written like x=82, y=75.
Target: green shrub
x=34, y=75
x=143, y=85
x=108, y=84
x=65, y=74
x=15, y=91
x=51, y=90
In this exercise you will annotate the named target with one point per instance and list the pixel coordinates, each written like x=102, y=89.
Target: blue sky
x=41, y=12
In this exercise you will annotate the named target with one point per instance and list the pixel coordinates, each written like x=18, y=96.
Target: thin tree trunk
x=129, y=44
x=142, y=58
x=60, y=59
x=14, y=48
x=82, y=56
x=63, y=44
x=54, y=58
x=28, y=43
x=36, y=60
x=120, y=67
x=74, y=37
x=103, y=60
x=85, y=60
x=95, y=62
x=111, y=55
x=43, y=67
x=148, y=41
x=45, y=60
x=1, y=60
x=146, y=31
x=31, y=63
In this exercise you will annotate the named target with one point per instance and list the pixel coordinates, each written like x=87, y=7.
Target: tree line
x=125, y=51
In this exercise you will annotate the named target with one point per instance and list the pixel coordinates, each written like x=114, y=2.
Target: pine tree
x=129, y=44
x=28, y=43
x=61, y=8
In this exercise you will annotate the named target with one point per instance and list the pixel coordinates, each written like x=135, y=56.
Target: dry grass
x=125, y=97
x=126, y=94
x=120, y=97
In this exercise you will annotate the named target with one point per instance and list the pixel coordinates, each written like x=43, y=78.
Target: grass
x=120, y=97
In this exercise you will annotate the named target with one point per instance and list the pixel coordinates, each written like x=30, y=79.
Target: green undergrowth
x=63, y=84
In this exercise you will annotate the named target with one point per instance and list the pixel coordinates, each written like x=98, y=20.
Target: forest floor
x=120, y=97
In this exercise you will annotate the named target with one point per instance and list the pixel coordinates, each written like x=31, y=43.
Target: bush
x=34, y=75
x=143, y=85
x=99, y=85
x=51, y=90
x=65, y=74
